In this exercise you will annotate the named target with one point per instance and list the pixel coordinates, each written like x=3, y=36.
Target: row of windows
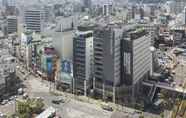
x=88, y=35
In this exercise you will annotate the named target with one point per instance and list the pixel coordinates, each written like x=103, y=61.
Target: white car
x=17, y=67
x=4, y=102
x=1, y=115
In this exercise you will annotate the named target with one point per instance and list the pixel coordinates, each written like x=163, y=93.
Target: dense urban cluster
x=93, y=59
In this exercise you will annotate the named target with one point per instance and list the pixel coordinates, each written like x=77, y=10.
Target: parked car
x=25, y=96
x=4, y=102
x=106, y=107
x=55, y=102
x=2, y=115
x=58, y=101
x=20, y=91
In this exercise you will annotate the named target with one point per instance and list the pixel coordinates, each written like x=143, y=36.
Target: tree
x=142, y=116
x=162, y=115
x=26, y=109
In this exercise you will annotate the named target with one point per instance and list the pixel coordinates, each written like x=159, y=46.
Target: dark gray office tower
x=142, y=13
x=136, y=61
x=133, y=12
x=83, y=59
x=107, y=61
x=11, y=24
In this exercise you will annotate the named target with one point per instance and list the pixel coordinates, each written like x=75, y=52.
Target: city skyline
x=92, y=58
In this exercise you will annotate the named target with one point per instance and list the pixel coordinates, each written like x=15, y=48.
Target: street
x=70, y=109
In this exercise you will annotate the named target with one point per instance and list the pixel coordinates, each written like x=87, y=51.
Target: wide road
x=71, y=108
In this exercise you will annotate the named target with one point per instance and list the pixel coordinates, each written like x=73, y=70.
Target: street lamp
x=152, y=50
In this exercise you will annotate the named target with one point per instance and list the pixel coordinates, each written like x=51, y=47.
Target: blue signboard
x=49, y=66
x=66, y=66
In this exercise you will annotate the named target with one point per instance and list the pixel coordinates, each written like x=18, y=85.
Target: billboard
x=49, y=65
x=66, y=66
x=49, y=50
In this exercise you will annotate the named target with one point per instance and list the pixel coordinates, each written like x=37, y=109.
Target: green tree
x=162, y=115
x=29, y=107
x=142, y=116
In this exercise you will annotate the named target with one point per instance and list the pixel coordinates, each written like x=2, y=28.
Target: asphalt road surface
x=71, y=108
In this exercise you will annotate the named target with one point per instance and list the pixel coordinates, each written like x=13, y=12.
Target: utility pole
x=85, y=87
x=94, y=84
x=114, y=94
x=103, y=91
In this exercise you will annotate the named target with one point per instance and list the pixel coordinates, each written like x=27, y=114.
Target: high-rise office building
x=107, y=64
x=107, y=9
x=179, y=6
x=136, y=59
x=9, y=3
x=87, y=3
x=34, y=19
x=11, y=24
x=133, y=12
x=83, y=59
x=142, y=13
x=9, y=6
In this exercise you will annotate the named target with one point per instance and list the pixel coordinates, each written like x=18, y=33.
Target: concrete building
x=12, y=44
x=185, y=15
x=38, y=54
x=107, y=63
x=63, y=43
x=25, y=48
x=11, y=24
x=83, y=59
x=34, y=18
x=7, y=73
x=133, y=11
x=179, y=6
x=136, y=61
x=9, y=6
x=9, y=3
x=107, y=9
x=141, y=12
x=87, y=3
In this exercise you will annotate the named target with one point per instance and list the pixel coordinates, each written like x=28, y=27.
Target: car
x=58, y=101
x=2, y=115
x=4, y=102
x=55, y=102
x=17, y=67
x=20, y=91
x=23, y=73
x=11, y=98
x=139, y=112
x=15, y=96
x=40, y=98
x=107, y=107
x=25, y=96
